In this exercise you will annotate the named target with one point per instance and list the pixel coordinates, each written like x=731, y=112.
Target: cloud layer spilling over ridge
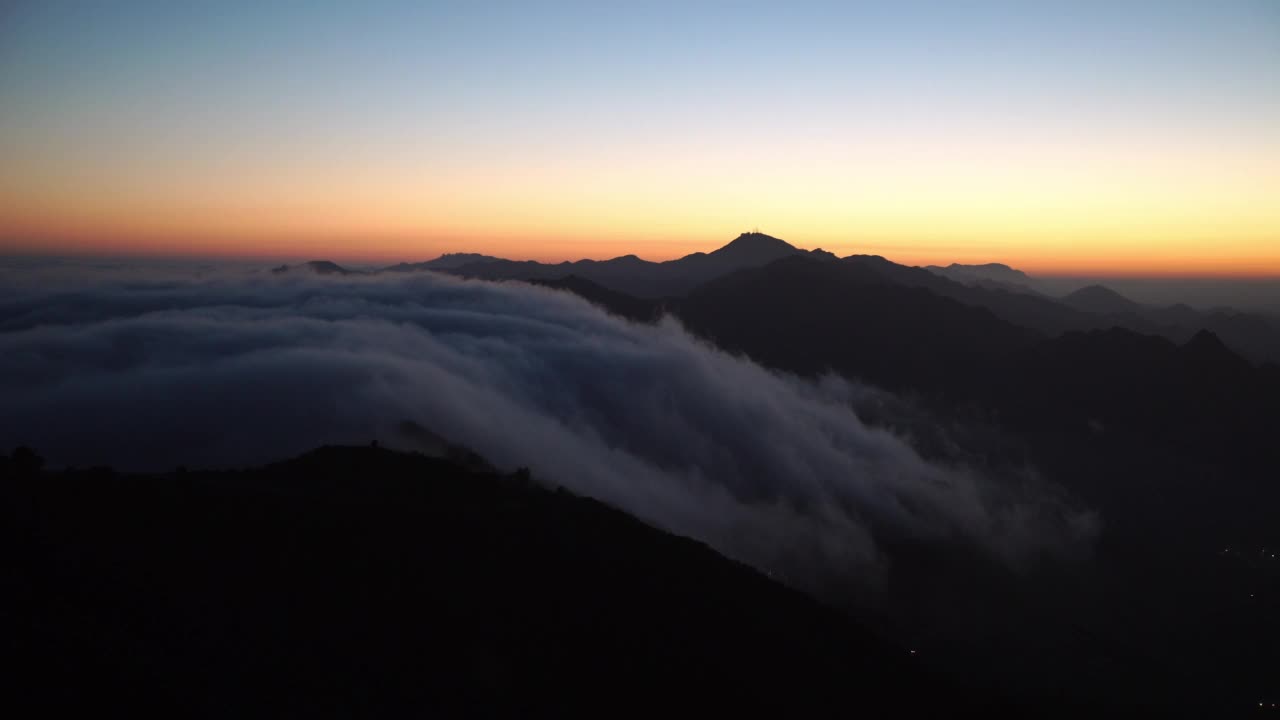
x=226, y=369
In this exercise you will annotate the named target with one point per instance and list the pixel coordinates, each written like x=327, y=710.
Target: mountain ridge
x=990, y=286
x=643, y=278
x=356, y=580
x=1101, y=300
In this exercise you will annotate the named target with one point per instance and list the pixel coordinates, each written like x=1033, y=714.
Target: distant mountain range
x=448, y=261
x=627, y=274
x=642, y=278
x=991, y=275
x=1255, y=336
x=1161, y=420
x=1008, y=293
x=1100, y=300
x=908, y=330
x=1148, y=414
x=1058, y=371
x=957, y=343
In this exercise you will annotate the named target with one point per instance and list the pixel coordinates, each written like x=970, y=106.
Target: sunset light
x=1121, y=138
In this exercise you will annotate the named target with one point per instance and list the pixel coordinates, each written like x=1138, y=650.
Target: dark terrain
x=1172, y=441
x=435, y=584
x=366, y=582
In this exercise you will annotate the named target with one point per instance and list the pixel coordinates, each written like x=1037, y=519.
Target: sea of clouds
x=151, y=369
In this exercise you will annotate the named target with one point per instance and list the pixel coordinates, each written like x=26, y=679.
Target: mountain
x=639, y=285
x=1094, y=307
x=1171, y=443
x=1032, y=311
x=988, y=275
x=1209, y=350
x=620, y=304
x=808, y=316
x=1200, y=396
x=752, y=249
x=357, y=581
x=644, y=279
x=990, y=286
x=958, y=347
x=444, y=586
x=1255, y=336
x=448, y=261
x=1101, y=300
x=319, y=267
x=909, y=330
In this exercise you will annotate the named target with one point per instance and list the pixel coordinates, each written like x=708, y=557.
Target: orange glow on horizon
x=1048, y=208
x=1154, y=207
x=1105, y=142
x=1187, y=259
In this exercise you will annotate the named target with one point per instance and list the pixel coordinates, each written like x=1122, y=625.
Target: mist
x=147, y=371
x=1208, y=293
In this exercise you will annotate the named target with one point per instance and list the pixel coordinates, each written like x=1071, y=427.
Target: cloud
x=229, y=368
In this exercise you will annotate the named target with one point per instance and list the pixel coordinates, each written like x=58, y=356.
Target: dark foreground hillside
x=365, y=582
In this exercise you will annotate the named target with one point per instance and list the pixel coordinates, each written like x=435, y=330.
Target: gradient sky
x=1106, y=137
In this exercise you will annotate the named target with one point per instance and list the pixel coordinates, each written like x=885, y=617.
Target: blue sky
x=433, y=100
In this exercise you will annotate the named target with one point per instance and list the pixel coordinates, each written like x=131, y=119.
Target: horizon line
x=379, y=261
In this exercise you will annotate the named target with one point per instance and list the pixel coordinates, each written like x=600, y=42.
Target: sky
x=1112, y=137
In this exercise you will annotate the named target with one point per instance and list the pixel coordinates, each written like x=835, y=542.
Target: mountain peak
x=327, y=267
x=1095, y=290
x=984, y=273
x=1206, y=348
x=456, y=260
x=1206, y=341
x=320, y=267
x=1099, y=299
x=757, y=245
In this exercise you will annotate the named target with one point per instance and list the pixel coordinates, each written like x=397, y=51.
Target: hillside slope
x=361, y=581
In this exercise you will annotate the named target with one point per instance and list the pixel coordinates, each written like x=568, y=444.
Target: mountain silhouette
x=441, y=585
x=993, y=286
x=865, y=317
x=1100, y=299
x=358, y=581
x=644, y=279
x=1255, y=336
x=1209, y=352
x=448, y=261
x=989, y=275
x=954, y=345
x=753, y=248
x=319, y=267
x=808, y=316
x=1028, y=310
x=617, y=303
x=907, y=328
